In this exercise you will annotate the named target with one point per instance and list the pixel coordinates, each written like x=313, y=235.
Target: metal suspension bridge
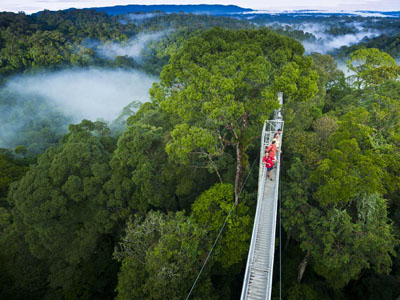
x=257, y=282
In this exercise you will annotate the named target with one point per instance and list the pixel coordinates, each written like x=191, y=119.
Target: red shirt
x=271, y=149
x=268, y=161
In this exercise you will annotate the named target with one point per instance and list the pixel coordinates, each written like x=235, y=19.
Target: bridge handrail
x=256, y=221
x=272, y=245
x=269, y=128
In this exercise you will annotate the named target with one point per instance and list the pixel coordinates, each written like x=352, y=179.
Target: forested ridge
x=130, y=209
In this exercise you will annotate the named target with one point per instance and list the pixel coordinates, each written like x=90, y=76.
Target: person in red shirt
x=268, y=161
x=271, y=149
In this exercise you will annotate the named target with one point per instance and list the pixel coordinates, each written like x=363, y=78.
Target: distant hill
x=215, y=10
x=226, y=10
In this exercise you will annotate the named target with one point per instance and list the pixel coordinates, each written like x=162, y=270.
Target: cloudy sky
x=30, y=6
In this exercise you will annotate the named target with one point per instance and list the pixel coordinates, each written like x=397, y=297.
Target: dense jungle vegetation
x=130, y=209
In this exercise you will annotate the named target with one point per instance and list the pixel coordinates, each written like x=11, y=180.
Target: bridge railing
x=269, y=129
x=274, y=219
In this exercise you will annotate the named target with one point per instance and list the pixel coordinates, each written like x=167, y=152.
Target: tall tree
x=222, y=85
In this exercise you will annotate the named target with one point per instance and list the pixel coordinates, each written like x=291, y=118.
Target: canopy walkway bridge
x=257, y=282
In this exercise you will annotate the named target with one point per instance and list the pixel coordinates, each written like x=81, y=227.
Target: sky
x=31, y=6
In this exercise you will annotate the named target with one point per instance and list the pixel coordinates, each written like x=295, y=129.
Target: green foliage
x=12, y=169
x=158, y=52
x=328, y=74
x=161, y=257
x=222, y=85
x=302, y=291
x=289, y=31
x=346, y=228
x=372, y=67
x=58, y=39
x=211, y=209
x=55, y=39
x=142, y=176
x=347, y=173
x=63, y=216
x=23, y=276
x=62, y=206
x=136, y=169
x=374, y=287
x=337, y=195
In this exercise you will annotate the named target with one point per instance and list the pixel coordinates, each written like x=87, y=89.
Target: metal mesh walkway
x=257, y=281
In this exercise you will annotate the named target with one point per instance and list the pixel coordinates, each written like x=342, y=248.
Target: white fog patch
x=343, y=67
x=326, y=43
x=85, y=94
x=313, y=28
x=141, y=17
x=132, y=48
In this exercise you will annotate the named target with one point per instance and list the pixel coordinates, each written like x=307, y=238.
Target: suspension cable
x=220, y=231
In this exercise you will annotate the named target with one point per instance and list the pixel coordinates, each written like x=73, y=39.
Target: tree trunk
x=215, y=168
x=239, y=171
x=302, y=266
x=287, y=241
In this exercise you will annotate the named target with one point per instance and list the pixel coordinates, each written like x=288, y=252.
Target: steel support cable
x=220, y=231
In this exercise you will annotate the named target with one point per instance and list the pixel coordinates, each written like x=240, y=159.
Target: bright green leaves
x=346, y=173
x=186, y=140
x=297, y=81
x=372, y=67
x=299, y=84
x=211, y=209
x=211, y=75
x=213, y=206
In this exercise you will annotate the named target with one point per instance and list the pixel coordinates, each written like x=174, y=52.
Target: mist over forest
x=84, y=94
x=101, y=91
x=131, y=48
x=128, y=136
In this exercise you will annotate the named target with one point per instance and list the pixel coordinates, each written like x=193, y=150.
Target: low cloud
x=326, y=43
x=137, y=18
x=85, y=94
x=132, y=48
